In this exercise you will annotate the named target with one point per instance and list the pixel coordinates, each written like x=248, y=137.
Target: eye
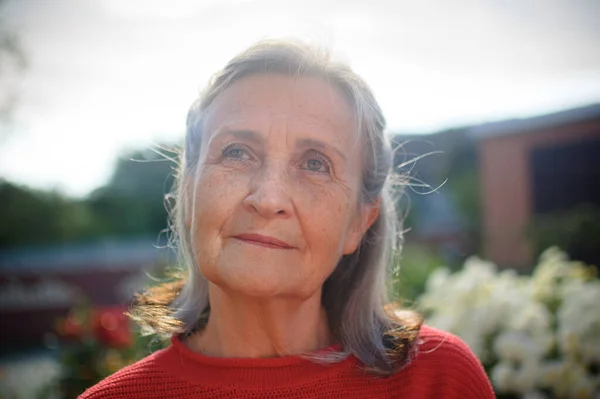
x=314, y=162
x=236, y=152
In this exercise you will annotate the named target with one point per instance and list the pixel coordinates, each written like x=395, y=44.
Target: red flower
x=70, y=327
x=111, y=327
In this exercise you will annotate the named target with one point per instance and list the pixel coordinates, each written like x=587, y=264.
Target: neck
x=249, y=327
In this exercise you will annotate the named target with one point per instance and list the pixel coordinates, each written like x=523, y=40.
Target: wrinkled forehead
x=305, y=105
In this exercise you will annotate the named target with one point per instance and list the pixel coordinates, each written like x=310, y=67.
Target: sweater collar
x=251, y=373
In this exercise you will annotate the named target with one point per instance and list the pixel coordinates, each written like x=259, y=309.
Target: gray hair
x=355, y=295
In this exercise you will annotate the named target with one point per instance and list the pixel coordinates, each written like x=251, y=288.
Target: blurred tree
x=132, y=203
x=39, y=217
x=464, y=186
x=577, y=230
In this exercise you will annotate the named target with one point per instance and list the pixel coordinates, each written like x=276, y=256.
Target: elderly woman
x=285, y=222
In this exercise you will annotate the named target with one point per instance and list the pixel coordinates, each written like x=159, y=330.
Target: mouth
x=263, y=241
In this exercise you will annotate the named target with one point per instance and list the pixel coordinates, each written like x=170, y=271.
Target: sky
x=107, y=76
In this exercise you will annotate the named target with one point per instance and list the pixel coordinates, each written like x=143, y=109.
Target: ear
x=366, y=216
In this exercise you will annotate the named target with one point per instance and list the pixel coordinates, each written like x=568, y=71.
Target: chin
x=263, y=285
x=246, y=282
x=265, y=291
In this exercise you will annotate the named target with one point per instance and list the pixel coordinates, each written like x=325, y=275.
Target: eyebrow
x=249, y=135
x=321, y=145
x=257, y=138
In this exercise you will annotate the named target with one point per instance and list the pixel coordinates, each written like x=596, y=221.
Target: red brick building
x=534, y=166
x=521, y=169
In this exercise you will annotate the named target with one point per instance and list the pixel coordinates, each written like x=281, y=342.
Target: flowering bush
x=537, y=336
x=95, y=342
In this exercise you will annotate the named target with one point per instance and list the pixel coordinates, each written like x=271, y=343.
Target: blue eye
x=317, y=165
x=235, y=152
x=314, y=164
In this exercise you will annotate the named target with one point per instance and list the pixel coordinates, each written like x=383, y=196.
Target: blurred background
x=502, y=98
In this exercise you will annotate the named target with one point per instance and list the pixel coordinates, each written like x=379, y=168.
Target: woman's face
x=273, y=203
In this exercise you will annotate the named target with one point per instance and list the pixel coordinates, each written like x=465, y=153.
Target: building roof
x=105, y=254
x=530, y=124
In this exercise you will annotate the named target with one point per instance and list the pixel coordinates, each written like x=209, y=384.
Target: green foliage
x=95, y=343
x=576, y=230
x=465, y=189
x=37, y=217
x=130, y=204
x=132, y=201
x=412, y=269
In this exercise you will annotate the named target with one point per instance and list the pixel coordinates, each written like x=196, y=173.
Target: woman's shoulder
x=440, y=343
x=444, y=365
x=436, y=346
x=144, y=375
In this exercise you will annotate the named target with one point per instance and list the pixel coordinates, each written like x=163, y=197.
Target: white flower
x=518, y=346
x=519, y=320
x=437, y=280
x=526, y=378
x=502, y=376
x=581, y=385
x=551, y=373
x=579, y=321
x=522, y=379
x=553, y=267
x=475, y=273
x=581, y=308
x=569, y=341
x=531, y=316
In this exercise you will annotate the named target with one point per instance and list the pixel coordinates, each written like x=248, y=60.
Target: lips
x=263, y=241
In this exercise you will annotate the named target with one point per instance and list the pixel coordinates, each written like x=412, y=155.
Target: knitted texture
x=444, y=367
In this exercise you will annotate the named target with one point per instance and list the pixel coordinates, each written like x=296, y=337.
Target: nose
x=269, y=195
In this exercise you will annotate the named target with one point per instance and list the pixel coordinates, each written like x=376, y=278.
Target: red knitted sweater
x=443, y=368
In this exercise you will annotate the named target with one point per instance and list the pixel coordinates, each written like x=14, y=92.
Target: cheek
x=325, y=219
x=216, y=198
